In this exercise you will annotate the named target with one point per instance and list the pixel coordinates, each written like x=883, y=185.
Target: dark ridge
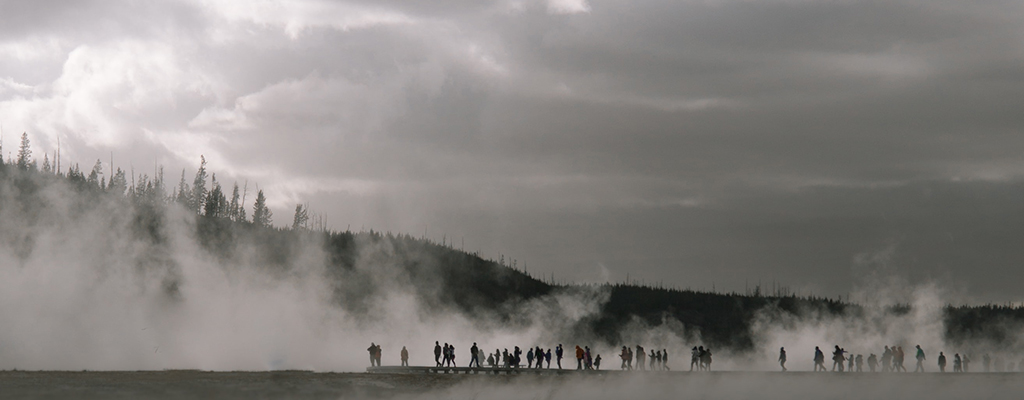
x=362, y=265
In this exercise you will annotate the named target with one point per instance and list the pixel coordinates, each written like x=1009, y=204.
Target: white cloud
x=568, y=6
x=295, y=17
x=32, y=49
x=311, y=102
x=9, y=87
x=107, y=93
x=666, y=98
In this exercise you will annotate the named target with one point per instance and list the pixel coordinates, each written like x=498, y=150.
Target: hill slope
x=147, y=229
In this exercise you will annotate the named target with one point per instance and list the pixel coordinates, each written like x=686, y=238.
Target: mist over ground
x=133, y=276
x=95, y=279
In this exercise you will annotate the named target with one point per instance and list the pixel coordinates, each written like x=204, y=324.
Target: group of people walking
x=658, y=359
x=891, y=360
x=538, y=357
x=700, y=358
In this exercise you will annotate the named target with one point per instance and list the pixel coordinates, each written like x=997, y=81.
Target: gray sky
x=828, y=145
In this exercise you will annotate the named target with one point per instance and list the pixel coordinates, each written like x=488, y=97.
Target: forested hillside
x=238, y=231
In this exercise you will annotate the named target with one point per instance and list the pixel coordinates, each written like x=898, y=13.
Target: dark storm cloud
x=686, y=141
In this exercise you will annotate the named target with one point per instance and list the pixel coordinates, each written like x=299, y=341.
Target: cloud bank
x=688, y=141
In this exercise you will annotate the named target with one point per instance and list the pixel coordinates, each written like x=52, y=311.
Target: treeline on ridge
x=442, y=278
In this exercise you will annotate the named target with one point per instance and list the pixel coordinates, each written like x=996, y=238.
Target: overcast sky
x=825, y=145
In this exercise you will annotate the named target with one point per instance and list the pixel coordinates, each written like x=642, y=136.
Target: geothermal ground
x=660, y=385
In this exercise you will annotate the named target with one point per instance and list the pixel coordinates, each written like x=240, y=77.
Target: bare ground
x=677, y=385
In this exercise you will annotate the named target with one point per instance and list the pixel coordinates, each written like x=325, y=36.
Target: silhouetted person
x=506, y=360
x=629, y=358
x=920, y=359
x=588, y=361
x=640, y=355
x=860, y=363
x=379, y=353
x=547, y=357
x=849, y=366
x=887, y=359
x=958, y=365
x=497, y=358
x=437, y=353
x=597, y=362
x=898, y=357
x=517, y=357
x=819, y=360
x=706, y=359
x=539, y=354
x=653, y=358
x=986, y=362
x=872, y=362
x=623, y=355
x=446, y=355
x=490, y=360
x=664, y=359
x=694, y=358
x=967, y=363
x=558, y=355
x=474, y=356
x=782, y=358
x=405, y=357
x=373, y=353
x=579, y=358
x=942, y=362
x=529, y=359
x=837, y=359
x=657, y=357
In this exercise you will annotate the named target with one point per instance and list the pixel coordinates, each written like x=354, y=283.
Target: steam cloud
x=80, y=289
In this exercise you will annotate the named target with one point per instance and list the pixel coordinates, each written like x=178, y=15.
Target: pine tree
x=118, y=183
x=216, y=204
x=261, y=214
x=24, y=153
x=242, y=217
x=143, y=188
x=234, y=207
x=158, y=183
x=75, y=174
x=94, y=176
x=184, y=195
x=301, y=216
x=199, y=188
x=46, y=164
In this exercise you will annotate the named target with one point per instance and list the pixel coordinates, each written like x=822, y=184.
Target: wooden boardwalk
x=482, y=370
